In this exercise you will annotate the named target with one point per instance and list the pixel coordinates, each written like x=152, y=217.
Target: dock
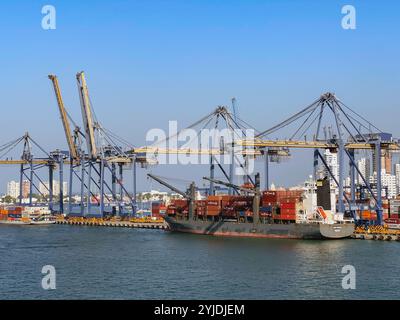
x=113, y=223
x=376, y=233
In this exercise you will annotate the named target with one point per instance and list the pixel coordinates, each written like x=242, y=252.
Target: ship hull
x=250, y=230
x=15, y=223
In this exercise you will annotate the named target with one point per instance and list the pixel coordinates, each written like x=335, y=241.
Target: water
x=119, y=263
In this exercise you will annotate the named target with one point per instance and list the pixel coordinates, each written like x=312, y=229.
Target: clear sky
x=148, y=62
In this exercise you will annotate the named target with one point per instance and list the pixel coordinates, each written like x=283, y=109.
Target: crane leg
x=89, y=187
x=51, y=188
x=21, y=174
x=61, y=173
x=114, y=187
x=121, y=191
x=30, y=183
x=266, y=182
x=71, y=172
x=82, y=186
x=102, y=187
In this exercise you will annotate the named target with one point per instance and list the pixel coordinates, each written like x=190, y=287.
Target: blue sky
x=148, y=62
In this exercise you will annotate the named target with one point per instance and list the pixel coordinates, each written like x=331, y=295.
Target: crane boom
x=190, y=194
x=230, y=185
x=64, y=117
x=86, y=114
x=183, y=194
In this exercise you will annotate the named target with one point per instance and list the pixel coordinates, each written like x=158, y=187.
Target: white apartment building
x=364, y=165
x=389, y=182
x=45, y=187
x=397, y=173
x=13, y=189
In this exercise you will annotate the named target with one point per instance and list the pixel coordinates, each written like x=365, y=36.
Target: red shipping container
x=392, y=221
x=179, y=202
x=288, y=211
x=200, y=203
x=394, y=215
x=288, y=217
x=288, y=205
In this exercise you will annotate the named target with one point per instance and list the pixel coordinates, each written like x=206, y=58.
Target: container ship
x=20, y=215
x=267, y=214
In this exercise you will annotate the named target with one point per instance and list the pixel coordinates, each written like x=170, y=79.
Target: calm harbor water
x=108, y=263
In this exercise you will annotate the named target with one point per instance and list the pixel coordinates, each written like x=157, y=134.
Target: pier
x=376, y=233
x=97, y=222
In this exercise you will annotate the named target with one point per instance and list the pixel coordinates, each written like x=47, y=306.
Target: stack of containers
x=158, y=209
x=3, y=214
x=385, y=207
x=268, y=203
x=269, y=198
x=394, y=208
x=201, y=207
x=213, y=205
x=178, y=206
x=288, y=208
x=241, y=206
x=14, y=213
x=171, y=210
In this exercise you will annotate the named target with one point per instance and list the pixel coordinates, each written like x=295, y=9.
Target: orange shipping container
x=213, y=203
x=214, y=198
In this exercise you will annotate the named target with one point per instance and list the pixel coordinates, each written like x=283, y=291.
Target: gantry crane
x=346, y=122
x=105, y=156
x=64, y=118
x=87, y=117
x=28, y=165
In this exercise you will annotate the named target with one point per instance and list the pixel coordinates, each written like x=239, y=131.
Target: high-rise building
x=389, y=184
x=25, y=188
x=331, y=159
x=364, y=165
x=13, y=189
x=397, y=173
x=45, y=187
x=385, y=159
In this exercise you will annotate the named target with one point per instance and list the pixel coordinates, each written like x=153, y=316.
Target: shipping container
x=288, y=205
x=214, y=198
x=288, y=211
x=266, y=209
x=288, y=217
x=214, y=203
